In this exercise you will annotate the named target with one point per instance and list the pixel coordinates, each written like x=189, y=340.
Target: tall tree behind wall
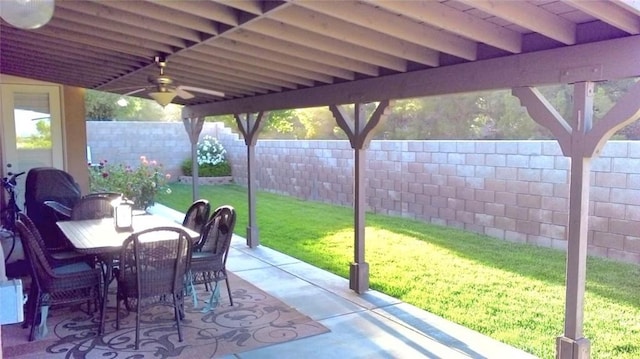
x=103, y=106
x=478, y=115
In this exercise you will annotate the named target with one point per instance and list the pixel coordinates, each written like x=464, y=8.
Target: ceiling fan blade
x=201, y=90
x=134, y=91
x=183, y=94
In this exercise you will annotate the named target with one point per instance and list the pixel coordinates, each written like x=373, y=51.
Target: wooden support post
x=580, y=141
x=359, y=132
x=194, y=128
x=250, y=127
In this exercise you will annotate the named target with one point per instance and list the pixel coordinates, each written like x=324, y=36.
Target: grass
x=512, y=292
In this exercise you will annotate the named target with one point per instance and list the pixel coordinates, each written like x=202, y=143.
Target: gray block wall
x=512, y=190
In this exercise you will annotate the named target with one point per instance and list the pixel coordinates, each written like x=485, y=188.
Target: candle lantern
x=123, y=215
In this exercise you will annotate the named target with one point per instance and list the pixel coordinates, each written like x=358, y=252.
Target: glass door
x=31, y=130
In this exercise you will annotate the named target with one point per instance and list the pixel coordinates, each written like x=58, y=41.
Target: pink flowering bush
x=138, y=184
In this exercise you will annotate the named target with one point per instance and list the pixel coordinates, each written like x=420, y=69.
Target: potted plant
x=138, y=184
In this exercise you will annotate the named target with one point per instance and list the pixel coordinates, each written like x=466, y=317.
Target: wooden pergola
x=271, y=55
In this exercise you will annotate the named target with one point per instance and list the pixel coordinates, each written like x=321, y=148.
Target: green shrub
x=207, y=170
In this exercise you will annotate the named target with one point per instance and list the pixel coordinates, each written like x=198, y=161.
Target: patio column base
x=253, y=238
x=359, y=277
x=567, y=348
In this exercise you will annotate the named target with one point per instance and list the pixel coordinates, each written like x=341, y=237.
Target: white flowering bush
x=211, y=158
x=210, y=151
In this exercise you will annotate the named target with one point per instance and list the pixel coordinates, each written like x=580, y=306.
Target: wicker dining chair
x=50, y=285
x=197, y=215
x=92, y=207
x=209, y=257
x=153, y=264
x=56, y=258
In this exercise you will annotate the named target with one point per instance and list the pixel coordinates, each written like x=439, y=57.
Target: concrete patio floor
x=371, y=325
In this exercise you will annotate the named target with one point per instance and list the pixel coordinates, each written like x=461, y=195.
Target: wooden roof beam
x=599, y=61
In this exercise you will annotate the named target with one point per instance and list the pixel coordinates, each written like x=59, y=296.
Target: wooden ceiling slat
x=630, y=5
x=456, y=22
x=283, y=58
x=88, y=62
x=206, y=9
x=52, y=46
x=189, y=76
x=303, y=52
x=376, y=19
x=159, y=13
x=108, y=25
x=302, y=37
x=49, y=73
x=250, y=6
x=531, y=17
x=193, y=63
x=94, y=9
x=355, y=35
x=609, y=13
x=263, y=63
x=283, y=79
x=100, y=36
x=74, y=36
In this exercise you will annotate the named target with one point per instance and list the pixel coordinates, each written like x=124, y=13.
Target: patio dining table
x=99, y=237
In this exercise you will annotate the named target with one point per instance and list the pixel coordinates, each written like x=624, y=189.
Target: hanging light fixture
x=27, y=14
x=163, y=96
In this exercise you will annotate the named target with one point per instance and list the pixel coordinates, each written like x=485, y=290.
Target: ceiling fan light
x=27, y=14
x=163, y=98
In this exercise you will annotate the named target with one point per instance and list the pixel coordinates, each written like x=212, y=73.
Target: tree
x=40, y=139
x=104, y=106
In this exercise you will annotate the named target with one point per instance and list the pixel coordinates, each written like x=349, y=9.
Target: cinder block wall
x=512, y=190
x=165, y=142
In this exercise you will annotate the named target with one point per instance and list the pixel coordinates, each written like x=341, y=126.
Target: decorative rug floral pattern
x=255, y=320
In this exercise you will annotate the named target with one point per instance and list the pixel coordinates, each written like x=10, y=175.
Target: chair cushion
x=72, y=268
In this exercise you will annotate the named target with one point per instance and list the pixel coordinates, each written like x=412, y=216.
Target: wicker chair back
x=151, y=269
x=197, y=215
x=94, y=207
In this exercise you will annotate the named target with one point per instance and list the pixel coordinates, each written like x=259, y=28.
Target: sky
x=25, y=121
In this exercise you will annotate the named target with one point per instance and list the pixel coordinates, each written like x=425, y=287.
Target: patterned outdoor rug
x=255, y=320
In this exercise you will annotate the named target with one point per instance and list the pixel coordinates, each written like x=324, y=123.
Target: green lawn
x=512, y=292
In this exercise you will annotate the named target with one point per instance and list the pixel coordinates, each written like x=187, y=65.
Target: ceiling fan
x=164, y=90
